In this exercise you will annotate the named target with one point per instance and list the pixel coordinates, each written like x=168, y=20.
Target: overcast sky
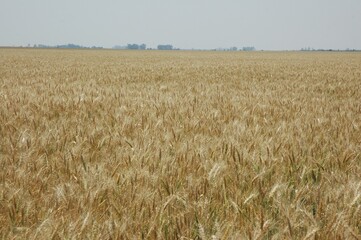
x=265, y=24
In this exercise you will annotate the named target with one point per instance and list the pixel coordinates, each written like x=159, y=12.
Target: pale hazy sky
x=265, y=24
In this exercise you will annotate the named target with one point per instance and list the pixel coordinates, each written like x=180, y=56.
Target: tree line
x=134, y=46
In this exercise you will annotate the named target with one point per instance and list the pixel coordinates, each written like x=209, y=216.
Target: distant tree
x=248, y=48
x=165, y=47
x=133, y=46
x=136, y=46
x=70, y=45
x=233, y=49
x=143, y=46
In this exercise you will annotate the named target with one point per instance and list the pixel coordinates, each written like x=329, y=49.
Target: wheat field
x=100, y=144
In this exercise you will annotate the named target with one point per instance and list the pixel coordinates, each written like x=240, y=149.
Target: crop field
x=101, y=144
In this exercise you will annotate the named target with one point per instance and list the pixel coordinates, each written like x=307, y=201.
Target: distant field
x=179, y=145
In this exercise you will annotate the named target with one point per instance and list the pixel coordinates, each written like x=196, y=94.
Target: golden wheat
x=179, y=145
